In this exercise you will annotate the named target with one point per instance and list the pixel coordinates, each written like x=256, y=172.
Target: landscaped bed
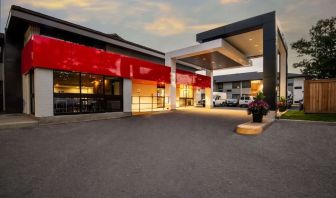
x=300, y=115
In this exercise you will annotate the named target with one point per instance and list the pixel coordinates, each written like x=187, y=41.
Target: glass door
x=161, y=96
x=186, y=96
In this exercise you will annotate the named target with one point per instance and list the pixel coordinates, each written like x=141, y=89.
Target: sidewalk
x=16, y=121
x=22, y=120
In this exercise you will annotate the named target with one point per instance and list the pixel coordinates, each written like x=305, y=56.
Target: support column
x=43, y=83
x=270, y=61
x=127, y=95
x=283, y=72
x=209, y=91
x=197, y=95
x=172, y=98
x=26, y=93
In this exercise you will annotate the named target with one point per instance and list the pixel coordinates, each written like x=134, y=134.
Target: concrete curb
x=307, y=121
x=19, y=125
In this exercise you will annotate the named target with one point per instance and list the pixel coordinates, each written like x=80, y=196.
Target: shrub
x=282, y=104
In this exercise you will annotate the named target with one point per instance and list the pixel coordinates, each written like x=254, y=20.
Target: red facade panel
x=50, y=53
x=189, y=78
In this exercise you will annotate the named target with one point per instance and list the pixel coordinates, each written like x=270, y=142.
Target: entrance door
x=161, y=96
x=186, y=96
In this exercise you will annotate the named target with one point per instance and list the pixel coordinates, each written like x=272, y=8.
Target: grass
x=300, y=115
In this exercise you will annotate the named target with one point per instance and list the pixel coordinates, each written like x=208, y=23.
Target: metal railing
x=150, y=103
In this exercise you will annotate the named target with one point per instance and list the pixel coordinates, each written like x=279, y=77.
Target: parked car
x=245, y=101
x=219, y=99
x=232, y=102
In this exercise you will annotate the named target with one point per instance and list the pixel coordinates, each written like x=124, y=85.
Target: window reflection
x=112, y=86
x=91, y=84
x=66, y=82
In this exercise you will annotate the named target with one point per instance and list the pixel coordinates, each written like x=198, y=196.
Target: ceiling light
x=250, y=39
x=256, y=45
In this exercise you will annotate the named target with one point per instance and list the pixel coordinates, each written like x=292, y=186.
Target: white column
x=43, y=83
x=209, y=91
x=127, y=95
x=283, y=74
x=26, y=93
x=172, y=63
x=196, y=94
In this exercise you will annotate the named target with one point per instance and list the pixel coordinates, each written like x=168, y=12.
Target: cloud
x=226, y=2
x=166, y=26
x=206, y=26
x=56, y=5
x=162, y=7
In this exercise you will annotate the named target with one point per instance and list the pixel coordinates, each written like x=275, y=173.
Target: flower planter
x=282, y=109
x=257, y=117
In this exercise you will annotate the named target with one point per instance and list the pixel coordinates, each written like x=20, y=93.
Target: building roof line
x=16, y=11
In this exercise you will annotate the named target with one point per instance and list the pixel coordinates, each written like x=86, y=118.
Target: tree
x=318, y=53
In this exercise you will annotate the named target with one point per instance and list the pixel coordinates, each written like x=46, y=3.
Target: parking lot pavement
x=186, y=153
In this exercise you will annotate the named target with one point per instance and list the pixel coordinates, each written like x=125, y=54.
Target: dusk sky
x=169, y=25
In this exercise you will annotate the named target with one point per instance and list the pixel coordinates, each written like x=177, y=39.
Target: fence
x=149, y=103
x=320, y=96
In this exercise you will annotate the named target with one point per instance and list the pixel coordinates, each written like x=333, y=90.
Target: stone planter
x=257, y=117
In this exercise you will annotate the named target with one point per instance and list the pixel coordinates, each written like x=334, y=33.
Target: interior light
x=250, y=39
x=256, y=45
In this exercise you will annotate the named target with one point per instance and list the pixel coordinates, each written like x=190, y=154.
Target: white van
x=245, y=101
x=219, y=99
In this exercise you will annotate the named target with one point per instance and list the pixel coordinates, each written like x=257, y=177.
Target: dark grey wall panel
x=239, y=27
x=270, y=62
x=12, y=73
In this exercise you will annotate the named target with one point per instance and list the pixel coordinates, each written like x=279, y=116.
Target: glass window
x=236, y=96
x=246, y=84
x=84, y=93
x=66, y=82
x=112, y=86
x=92, y=105
x=66, y=105
x=92, y=84
x=113, y=105
x=220, y=87
x=235, y=85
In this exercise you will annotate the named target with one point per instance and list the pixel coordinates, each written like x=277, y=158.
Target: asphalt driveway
x=176, y=154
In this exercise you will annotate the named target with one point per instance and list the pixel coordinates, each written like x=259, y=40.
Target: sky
x=170, y=25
